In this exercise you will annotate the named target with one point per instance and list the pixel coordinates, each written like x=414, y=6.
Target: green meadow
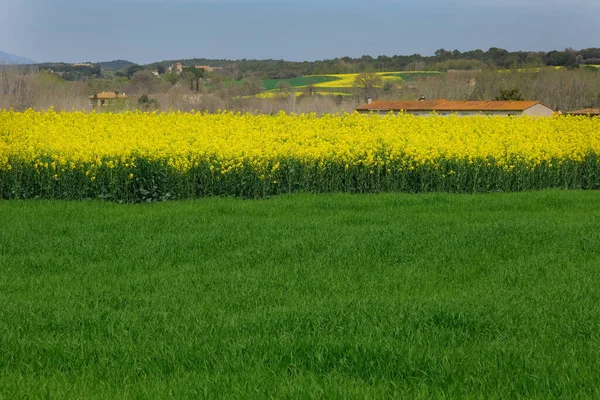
x=488, y=296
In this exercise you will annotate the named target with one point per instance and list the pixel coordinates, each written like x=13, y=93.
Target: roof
x=585, y=111
x=448, y=105
x=109, y=95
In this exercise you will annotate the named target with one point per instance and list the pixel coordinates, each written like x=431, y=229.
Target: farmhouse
x=177, y=68
x=208, y=68
x=464, y=108
x=107, y=98
x=590, y=112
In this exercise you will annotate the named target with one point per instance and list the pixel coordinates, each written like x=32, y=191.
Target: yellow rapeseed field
x=347, y=80
x=151, y=156
x=277, y=93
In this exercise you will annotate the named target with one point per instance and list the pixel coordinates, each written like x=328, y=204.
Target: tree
x=283, y=90
x=499, y=57
x=251, y=86
x=510, y=95
x=146, y=102
x=368, y=84
x=143, y=81
x=560, y=58
x=96, y=70
x=132, y=69
x=194, y=75
x=171, y=77
x=161, y=69
x=442, y=54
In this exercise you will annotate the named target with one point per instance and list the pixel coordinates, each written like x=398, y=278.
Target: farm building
x=208, y=68
x=107, y=98
x=590, y=112
x=464, y=108
x=177, y=68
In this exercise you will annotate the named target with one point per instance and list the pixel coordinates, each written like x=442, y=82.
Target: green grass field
x=304, y=296
x=271, y=84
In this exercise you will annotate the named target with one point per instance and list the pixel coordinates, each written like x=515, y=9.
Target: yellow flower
x=236, y=147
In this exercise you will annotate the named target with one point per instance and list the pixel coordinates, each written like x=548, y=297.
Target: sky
x=145, y=31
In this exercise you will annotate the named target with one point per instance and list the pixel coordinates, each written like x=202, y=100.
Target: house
x=464, y=108
x=590, y=112
x=208, y=68
x=108, y=98
x=177, y=67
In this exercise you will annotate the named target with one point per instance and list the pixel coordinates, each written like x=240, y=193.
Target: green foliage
x=171, y=77
x=70, y=72
x=510, y=95
x=387, y=296
x=194, y=75
x=560, y=58
x=164, y=182
x=445, y=59
x=116, y=64
x=197, y=72
x=147, y=103
x=131, y=70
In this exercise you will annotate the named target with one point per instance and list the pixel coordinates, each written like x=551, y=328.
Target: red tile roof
x=447, y=105
x=108, y=95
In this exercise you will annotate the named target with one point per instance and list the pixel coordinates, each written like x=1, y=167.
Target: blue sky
x=153, y=30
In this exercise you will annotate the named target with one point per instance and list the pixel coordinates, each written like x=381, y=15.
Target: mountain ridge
x=8, y=58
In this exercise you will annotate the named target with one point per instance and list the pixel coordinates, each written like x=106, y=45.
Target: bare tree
x=251, y=86
x=368, y=85
x=284, y=89
x=143, y=82
x=22, y=88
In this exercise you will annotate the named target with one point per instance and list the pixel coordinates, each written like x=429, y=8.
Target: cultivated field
x=145, y=157
x=489, y=296
x=300, y=295
x=339, y=84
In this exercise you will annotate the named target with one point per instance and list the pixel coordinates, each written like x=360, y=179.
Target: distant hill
x=6, y=58
x=116, y=64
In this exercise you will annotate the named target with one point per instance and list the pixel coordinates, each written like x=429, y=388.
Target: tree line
x=442, y=60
